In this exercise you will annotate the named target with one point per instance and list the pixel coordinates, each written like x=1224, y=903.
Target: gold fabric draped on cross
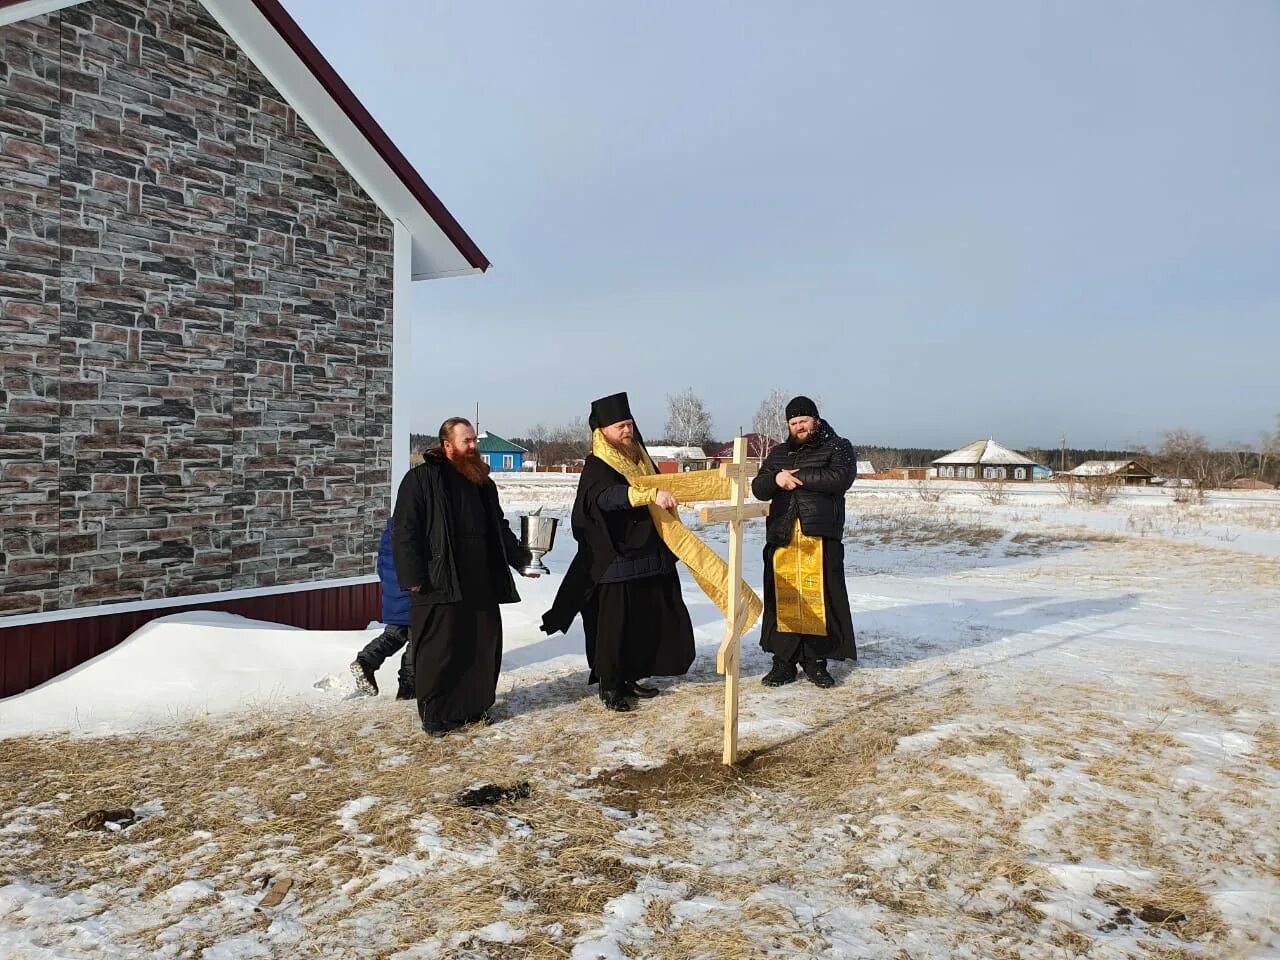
x=709, y=571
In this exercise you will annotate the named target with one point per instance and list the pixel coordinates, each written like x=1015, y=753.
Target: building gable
x=198, y=303
x=272, y=40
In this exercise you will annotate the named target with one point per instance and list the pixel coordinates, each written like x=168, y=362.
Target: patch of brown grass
x=559, y=851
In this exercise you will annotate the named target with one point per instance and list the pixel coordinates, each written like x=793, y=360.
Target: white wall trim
x=401, y=351
x=197, y=600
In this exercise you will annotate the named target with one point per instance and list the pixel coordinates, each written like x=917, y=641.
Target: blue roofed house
x=500, y=454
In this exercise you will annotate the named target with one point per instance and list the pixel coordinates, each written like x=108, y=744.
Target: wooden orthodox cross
x=739, y=474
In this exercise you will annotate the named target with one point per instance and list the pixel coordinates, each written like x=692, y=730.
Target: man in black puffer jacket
x=806, y=602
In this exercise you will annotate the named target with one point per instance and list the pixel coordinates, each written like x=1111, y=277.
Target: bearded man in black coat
x=806, y=601
x=452, y=549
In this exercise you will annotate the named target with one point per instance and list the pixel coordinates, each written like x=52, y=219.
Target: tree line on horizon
x=1181, y=454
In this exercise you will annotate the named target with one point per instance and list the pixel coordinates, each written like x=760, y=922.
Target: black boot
x=405, y=677
x=816, y=671
x=615, y=700
x=365, y=681
x=633, y=689
x=439, y=728
x=782, y=672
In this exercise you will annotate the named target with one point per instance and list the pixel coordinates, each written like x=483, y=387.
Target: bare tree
x=538, y=436
x=1269, y=454
x=688, y=423
x=771, y=418
x=1187, y=456
x=1184, y=455
x=994, y=492
x=1240, y=460
x=926, y=492
x=557, y=445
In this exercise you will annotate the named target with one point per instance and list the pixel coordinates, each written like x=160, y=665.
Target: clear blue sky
x=946, y=220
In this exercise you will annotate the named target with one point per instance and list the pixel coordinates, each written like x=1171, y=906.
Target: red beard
x=628, y=448
x=471, y=467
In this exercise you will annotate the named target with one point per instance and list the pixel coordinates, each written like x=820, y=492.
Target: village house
x=1128, y=473
x=984, y=460
x=500, y=453
x=677, y=459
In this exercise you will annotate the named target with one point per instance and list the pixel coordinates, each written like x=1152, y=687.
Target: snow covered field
x=1061, y=739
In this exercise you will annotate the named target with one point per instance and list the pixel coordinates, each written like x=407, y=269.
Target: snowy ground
x=1061, y=740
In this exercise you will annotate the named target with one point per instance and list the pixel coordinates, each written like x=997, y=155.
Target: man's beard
x=470, y=466
x=628, y=448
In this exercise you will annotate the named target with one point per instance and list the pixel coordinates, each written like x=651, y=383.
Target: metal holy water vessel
x=537, y=533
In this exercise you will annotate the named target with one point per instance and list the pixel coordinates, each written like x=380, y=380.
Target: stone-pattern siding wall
x=195, y=321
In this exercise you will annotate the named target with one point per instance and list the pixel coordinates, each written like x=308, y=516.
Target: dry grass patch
x=909, y=525
x=813, y=812
x=1267, y=737
x=1179, y=685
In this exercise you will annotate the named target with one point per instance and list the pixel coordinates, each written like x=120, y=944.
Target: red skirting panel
x=32, y=653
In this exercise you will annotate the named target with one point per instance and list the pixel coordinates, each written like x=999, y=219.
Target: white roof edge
x=34, y=8
x=434, y=254
x=986, y=452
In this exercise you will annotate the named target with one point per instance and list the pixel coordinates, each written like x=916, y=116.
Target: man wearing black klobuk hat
x=806, y=601
x=623, y=579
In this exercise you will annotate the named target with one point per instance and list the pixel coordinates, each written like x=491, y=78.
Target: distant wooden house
x=1130, y=473
x=500, y=454
x=1250, y=483
x=901, y=473
x=985, y=460
x=676, y=459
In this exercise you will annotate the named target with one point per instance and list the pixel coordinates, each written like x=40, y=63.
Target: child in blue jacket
x=395, y=615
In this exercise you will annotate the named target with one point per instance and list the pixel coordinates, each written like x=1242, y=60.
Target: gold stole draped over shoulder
x=709, y=570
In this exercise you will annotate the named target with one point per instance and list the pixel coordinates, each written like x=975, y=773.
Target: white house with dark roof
x=985, y=460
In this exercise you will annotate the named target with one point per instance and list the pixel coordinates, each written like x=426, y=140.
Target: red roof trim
x=342, y=95
x=356, y=112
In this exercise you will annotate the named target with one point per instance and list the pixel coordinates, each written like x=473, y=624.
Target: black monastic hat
x=609, y=410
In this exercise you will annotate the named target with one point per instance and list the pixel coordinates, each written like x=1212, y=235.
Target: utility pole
x=477, y=418
x=1063, y=465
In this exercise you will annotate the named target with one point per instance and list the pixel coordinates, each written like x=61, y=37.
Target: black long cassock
x=451, y=539
x=624, y=583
